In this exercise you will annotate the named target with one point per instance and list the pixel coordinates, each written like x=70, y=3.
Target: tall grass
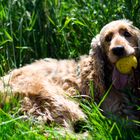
x=56, y=28
x=60, y=29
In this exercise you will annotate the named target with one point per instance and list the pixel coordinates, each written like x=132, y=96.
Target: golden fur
x=47, y=85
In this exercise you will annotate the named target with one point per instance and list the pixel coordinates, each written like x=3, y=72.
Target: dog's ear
x=96, y=50
x=137, y=32
x=138, y=36
x=93, y=69
x=95, y=44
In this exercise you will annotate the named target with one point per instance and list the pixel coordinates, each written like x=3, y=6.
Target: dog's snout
x=118, y=50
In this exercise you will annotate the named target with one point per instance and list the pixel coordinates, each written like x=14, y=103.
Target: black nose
x=118, y=50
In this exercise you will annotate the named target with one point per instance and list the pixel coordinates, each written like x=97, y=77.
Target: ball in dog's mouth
x=125, y=65
x=122, y=69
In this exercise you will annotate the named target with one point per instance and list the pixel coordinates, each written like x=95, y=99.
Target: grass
x=36, y=29
x=14, y=125
x=58, y=29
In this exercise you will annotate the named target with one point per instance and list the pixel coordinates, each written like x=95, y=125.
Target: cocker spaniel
x=47, y=85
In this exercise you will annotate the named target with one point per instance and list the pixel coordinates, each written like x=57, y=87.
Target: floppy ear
x=137, y=32
x=96, y=50
x=138, y=36
x=92, y=69
x=98, y=58
x=95, y=44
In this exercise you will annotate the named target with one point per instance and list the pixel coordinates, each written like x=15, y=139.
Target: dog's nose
x=118, y=50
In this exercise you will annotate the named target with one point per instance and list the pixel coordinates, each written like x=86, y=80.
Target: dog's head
x=119, y=39
x=116, y=40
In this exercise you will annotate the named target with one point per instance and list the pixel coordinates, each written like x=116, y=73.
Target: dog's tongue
x=119, y=80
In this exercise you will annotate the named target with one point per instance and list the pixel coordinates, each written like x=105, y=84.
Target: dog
x=48, y=85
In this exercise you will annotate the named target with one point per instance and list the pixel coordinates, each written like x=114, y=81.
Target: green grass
x=14, y=125
x=52, y=28
x=36, y=29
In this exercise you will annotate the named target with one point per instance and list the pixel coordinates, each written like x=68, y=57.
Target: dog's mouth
x=122, y=70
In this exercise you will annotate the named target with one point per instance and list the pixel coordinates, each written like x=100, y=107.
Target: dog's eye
x=108, y=38
x=127, y=34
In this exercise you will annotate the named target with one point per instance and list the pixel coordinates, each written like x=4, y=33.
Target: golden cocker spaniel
x=47, y=85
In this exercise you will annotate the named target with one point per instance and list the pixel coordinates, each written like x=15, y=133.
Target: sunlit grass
x=16, y=125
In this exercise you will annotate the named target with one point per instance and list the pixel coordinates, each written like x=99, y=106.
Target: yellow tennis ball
x=126, y=64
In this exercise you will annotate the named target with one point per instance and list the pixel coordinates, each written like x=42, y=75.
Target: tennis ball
x=126, y=64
